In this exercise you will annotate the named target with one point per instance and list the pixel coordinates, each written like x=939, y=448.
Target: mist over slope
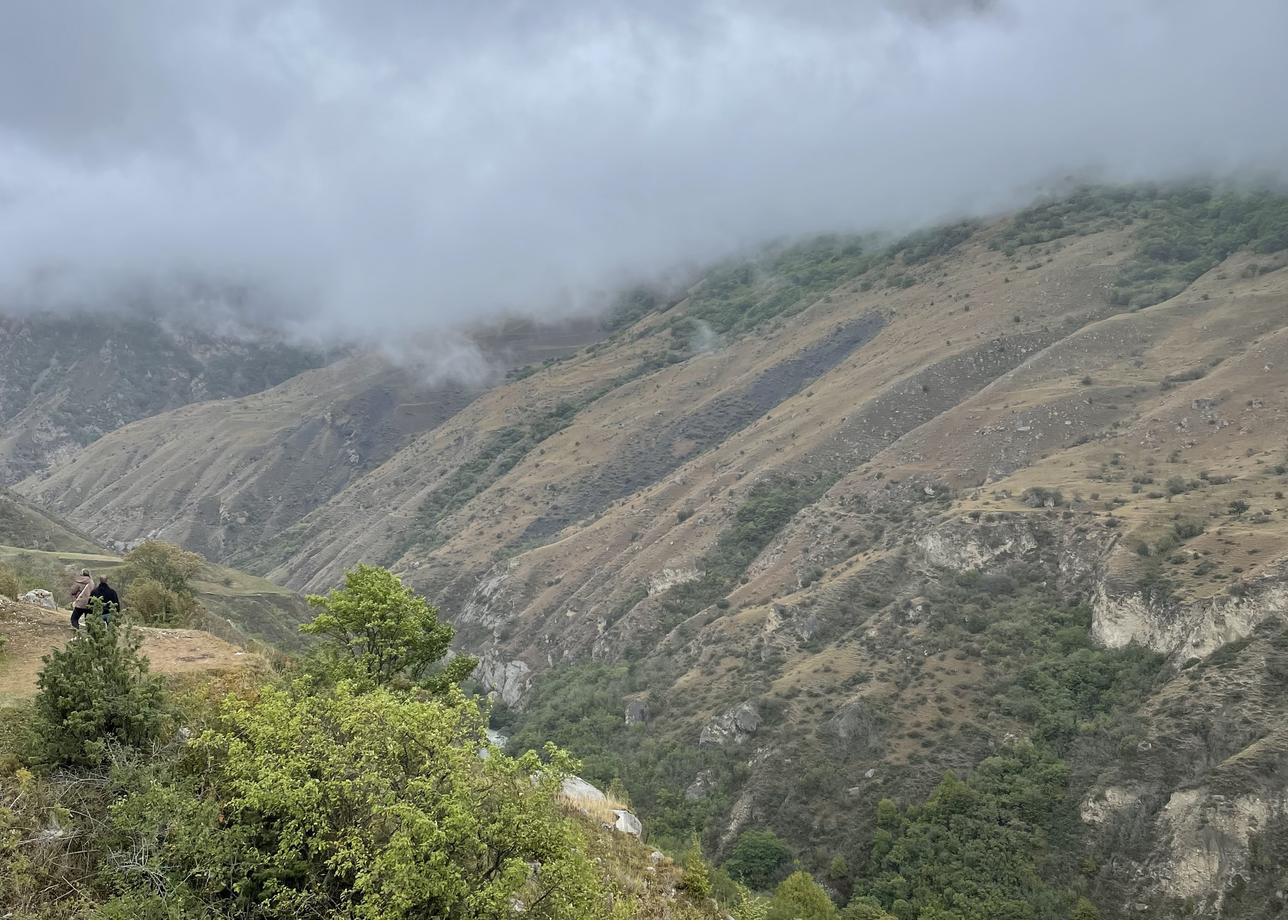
x=884, y=477
x=223, y=476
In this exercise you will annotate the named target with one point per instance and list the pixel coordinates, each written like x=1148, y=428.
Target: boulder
x=854, y=725
x=627, y=823
x=732, y=727
x=590, y=800
x=40, y=598
x=579, y=790
x=509, y=680
x=636, y=712
x=701, y=787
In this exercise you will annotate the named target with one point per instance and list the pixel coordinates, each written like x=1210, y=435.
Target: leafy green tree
x=170, y=566
x=799, y=897
x=344, y=803
x=376, y=630
x=94, y=692
x=757, y=858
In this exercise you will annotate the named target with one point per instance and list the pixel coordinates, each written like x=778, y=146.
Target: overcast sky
x=392, y=164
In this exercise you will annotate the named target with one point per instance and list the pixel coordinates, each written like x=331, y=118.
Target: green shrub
x=758, y=858
x=865, y=909
x=96, y=692
x=695, y=880
x=156, y=605
x=10, y=586
x=972, y=850
x=1084, y=910
x=1187, y=529
x=799, y=897
x=298, y=802
x=170, y=566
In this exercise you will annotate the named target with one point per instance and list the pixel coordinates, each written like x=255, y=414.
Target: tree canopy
x=376, y=629
x=172, y=567
x=374, y=805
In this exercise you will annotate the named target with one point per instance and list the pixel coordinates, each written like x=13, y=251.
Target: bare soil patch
x=33, y=632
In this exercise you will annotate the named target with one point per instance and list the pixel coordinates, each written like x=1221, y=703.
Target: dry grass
x=33, y=632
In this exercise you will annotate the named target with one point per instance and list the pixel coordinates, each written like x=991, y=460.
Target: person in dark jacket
x=107, y=594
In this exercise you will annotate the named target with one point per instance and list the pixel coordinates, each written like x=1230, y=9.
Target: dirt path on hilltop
x=32, y=632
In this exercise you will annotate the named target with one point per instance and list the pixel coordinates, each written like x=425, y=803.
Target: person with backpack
x=108, y=597
x=82, y=590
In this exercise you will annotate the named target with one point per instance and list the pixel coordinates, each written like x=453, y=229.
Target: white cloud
x=375, y=167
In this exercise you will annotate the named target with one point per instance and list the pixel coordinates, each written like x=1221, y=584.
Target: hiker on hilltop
x=82, y=590
x=107, y=594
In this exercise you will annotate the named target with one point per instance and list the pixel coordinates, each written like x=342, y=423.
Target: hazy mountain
x=67, y=380
x=222, y=476
x=843, y=517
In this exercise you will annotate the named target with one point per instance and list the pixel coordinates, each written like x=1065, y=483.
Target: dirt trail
x=33, y=632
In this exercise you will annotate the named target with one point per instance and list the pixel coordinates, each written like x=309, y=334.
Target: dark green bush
x=973, y=849
x=759, y=859
x=10, y=586
x=96, y=692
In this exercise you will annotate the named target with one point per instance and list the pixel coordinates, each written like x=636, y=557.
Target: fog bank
x=366, y=169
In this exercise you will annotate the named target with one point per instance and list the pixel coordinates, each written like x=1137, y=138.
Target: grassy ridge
x=1185, y=232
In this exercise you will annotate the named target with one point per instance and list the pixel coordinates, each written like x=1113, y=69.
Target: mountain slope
x=222, y=476
x=24, y=524
x=833, y=536
x=847, y=516
x=237, y=471
x=67, y=380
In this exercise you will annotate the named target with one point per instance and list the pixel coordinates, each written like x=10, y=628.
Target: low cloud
x=385, y=167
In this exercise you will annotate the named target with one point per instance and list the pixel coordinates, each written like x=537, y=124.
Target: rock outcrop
x=39, y=597
x=855, y=725
x=732, y=727
x=1207, y=839
x=509, y=680
x=1187, y=630
x=591, y=800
